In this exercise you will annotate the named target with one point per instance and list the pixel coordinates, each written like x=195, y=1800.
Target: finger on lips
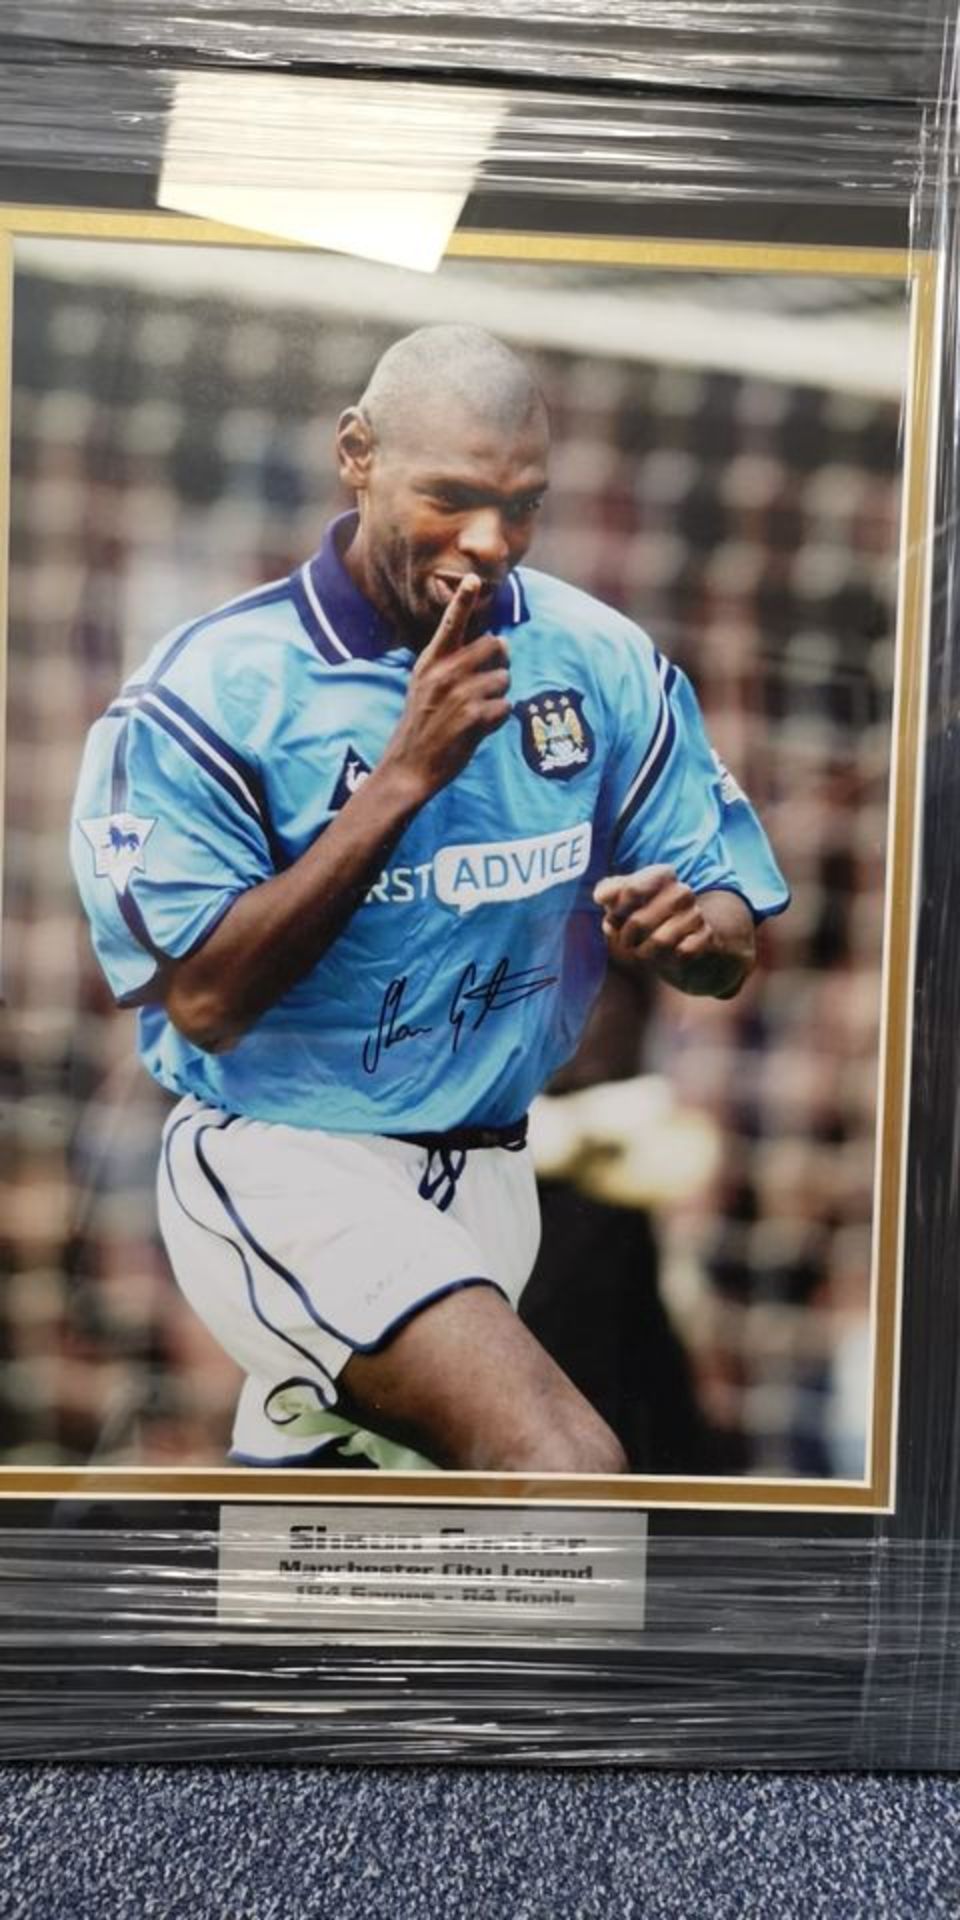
x=452, y=628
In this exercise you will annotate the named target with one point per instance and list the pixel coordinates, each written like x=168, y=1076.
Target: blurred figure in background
x=608, y=1143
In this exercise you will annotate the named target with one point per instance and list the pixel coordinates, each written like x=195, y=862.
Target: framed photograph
x=740, y=442
x=464, y=774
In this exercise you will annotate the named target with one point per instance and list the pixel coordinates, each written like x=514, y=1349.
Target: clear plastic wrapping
x=598, y=147
x=727, y=245
x=127, y=1662
x=854, y=52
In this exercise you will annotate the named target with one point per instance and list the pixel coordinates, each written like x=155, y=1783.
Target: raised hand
x=457, y=696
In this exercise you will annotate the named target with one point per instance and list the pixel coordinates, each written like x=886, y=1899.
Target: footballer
x=357, y=846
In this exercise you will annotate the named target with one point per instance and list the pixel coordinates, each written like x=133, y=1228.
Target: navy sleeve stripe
x=124, y=701
x=221, y=749
x=204, y=756
x=145, y=996
x=132, y=916
x=217, y=758
x=657, y=753
x=196, y=729
x=118, y=773
x=138, y=926
x=654, y=768
x=267, y=596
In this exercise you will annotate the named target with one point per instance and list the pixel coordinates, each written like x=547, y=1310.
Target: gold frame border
x=919, y=273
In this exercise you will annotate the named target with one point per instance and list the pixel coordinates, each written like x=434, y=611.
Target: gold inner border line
x=918, y=272
x=726, y=256
x=278, y=1485
x=6, y=463
x=906, y=769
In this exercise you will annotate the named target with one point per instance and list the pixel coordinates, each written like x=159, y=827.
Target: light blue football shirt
x=465, y=978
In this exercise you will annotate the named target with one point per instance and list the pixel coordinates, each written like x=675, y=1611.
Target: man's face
x=453, y=495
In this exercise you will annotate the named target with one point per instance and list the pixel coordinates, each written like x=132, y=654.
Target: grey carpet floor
x=436, y=1844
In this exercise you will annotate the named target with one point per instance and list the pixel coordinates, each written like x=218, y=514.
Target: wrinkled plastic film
x=759, y=1594
x=115, y=1633
x=589, y=146
x=835, y=48
x=785, y=1649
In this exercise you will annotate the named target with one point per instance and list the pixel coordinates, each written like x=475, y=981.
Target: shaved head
x=446, y=456
x=437, y=365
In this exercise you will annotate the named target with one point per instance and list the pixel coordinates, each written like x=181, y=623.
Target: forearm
x=276, y=932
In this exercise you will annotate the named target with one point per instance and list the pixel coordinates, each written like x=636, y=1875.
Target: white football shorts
x=299, y=1248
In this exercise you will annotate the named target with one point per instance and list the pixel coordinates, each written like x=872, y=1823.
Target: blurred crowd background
x=732, y=483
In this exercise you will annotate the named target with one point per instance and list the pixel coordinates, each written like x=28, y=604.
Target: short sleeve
x=169, y=826
x=676, y=804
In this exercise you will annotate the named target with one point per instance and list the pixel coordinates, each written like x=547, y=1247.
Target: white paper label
x=371, y=167
x=402, y=1569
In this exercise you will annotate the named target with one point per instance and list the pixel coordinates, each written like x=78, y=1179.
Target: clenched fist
x=701, y=943
x=652, y=912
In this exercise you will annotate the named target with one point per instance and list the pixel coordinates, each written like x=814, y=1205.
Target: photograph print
x=458, y=885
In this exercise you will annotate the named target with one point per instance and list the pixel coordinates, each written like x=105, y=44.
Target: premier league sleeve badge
x=118, y=840
x=556, y=735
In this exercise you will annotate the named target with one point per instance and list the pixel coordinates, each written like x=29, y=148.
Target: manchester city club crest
x=556, y=735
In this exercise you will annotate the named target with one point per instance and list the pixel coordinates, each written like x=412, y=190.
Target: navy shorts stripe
x=283, y=1273
x=229, y=1241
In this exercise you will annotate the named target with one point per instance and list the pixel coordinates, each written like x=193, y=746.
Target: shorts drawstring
x=447, y=1155
x=443, y=1169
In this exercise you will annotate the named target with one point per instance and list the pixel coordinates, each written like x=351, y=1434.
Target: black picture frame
x=880, y=1578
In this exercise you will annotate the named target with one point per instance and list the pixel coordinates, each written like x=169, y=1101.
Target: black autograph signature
x=390, y=1029
x=500, y=990
x=472, y=1002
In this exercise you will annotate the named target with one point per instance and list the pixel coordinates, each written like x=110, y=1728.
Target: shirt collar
x=344, y=625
